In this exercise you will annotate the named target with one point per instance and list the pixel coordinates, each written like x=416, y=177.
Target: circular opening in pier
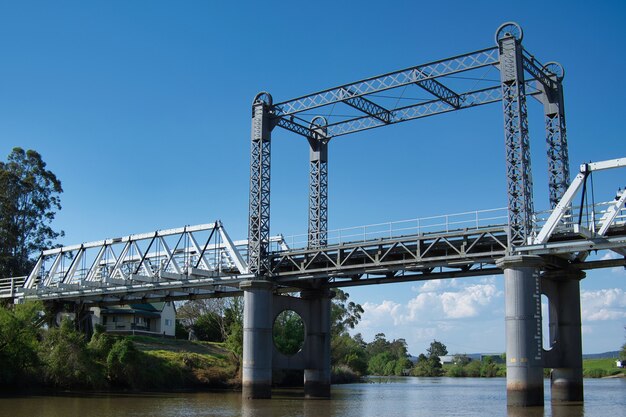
x=288, y=333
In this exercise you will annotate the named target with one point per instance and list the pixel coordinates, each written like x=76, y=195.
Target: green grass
x=185, y=364
x=147, y=343
x=599, y=368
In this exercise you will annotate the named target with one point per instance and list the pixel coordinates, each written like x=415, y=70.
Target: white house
x=155, y=319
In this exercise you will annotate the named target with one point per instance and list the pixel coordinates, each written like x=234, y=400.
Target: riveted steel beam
x=517, y=144
x=259, y=213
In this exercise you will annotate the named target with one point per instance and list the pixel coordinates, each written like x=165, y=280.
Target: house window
x=168, y=322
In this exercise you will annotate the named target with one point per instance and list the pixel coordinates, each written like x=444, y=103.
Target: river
x=384, y=397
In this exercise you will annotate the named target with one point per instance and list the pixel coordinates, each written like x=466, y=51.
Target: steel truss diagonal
x=417, y=111
x=517, y=145
x=439, y=90
x=162, y=261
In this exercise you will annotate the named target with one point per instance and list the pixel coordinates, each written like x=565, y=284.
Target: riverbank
x=140, y=363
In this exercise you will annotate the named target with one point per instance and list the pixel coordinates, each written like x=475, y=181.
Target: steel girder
x=517, y=145
x=413, y=75
x=259, y=212
x=460, y=249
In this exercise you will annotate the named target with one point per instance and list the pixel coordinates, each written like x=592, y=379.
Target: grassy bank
x=600, y=368
x=592, y=368
x=180, y=364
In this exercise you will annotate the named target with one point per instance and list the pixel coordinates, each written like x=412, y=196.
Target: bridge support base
x=524, y=362
x=257, y=339
x=317, y=365
x=565, y=356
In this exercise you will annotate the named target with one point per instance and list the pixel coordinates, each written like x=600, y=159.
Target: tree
x=437, y=349
x=427, y=366
x=344, y=314
x=212, y=318
x=67, y=360
x=288, y=332
x=19, y=328
x=378, y=345
x=29, y=199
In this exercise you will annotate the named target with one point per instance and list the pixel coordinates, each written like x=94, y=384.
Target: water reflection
x=576, y=410
x=406, y=396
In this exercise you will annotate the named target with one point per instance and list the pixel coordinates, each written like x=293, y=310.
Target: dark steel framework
x=364, y=106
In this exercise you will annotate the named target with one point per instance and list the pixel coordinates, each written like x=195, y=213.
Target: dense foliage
x=288, y=332
x=29, y=199
x=33, y=356
x=19, y=331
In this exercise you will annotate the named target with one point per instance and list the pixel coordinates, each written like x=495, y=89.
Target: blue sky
x=142, y=109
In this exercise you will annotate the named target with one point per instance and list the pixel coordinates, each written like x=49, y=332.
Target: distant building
x=619, y=364
x=153, y=319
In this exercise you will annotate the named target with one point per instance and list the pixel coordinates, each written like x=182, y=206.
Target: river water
x=385, y=397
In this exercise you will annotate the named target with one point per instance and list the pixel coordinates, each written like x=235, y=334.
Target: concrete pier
x=317, y=362
x=257, y=339
x=565, y=357
x=524, y=361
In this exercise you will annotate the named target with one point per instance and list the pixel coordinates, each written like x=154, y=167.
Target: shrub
x=66, y=359
x=123, y=364
x=595, y=373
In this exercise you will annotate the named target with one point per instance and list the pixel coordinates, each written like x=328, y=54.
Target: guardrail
x=470, y=220
x=8, y=286
x=588, y=216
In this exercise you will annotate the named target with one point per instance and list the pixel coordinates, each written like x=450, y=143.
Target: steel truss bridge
x=533, y=249
x=202, y=261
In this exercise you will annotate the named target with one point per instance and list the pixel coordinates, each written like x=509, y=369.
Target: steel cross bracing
x=376, y=101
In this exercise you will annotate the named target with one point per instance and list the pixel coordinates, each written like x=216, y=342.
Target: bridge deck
x=177, y=264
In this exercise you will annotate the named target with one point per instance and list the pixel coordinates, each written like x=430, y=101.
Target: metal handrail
x=470, y=220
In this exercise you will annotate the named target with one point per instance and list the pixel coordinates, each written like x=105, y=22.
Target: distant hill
x=605, y=355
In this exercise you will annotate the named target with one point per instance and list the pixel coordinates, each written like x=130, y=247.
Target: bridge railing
x=8, y=286
x=588, y=216
x=470, y=220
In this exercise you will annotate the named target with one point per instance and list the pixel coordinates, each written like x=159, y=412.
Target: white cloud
x=605, y=304
x=467, y=302
x=610, y=255
x=468, y=316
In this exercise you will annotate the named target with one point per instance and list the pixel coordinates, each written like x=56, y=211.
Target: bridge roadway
x=216, y=268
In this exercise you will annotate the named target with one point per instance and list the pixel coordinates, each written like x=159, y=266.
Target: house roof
x=144, y=310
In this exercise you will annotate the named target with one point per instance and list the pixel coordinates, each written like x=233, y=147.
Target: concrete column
x=524, y=361
x=317, y=362
x=567, y=374
x=257, y=339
